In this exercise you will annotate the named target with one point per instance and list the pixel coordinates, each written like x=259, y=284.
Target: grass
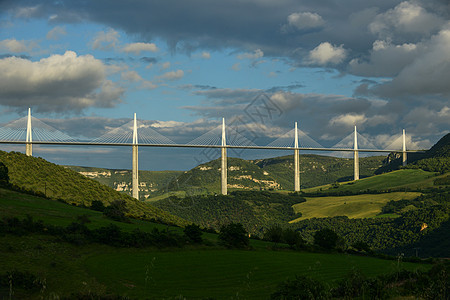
x=222, y=274
x=193, y=272
x=358, y=206
x=14, y=204
x=400, y=179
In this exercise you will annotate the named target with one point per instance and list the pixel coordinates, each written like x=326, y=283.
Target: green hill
x=38, y=176
x=45, y=265
x=152, y=183
x=317, y=169
x=436, y=159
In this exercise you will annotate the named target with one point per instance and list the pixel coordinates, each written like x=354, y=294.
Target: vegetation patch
x=357, y=206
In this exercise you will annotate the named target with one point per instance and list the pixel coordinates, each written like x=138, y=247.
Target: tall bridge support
x=29, y=140
x=296, y=161
x=224, y=166
x=135, y=169
x=404, y=159
x=356, y=157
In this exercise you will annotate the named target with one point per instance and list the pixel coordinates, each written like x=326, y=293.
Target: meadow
x=192, y=271
x=356, y=206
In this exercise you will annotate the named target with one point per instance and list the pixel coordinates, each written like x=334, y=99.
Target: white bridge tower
x=224, y=160
x=135, y=171
x=29, y=140
x=296, y=161
x=356, y=157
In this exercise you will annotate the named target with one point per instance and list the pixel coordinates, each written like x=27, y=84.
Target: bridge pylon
x=296, y=161
x=135, y=169
x=224, y=166
x=404, y=158
x=356, y=156
x=29, y=139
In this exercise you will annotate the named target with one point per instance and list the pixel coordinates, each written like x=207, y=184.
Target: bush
x=116, y=211
x=326, y=238
x=233, y=236
x=97, y=205
x=193, y=233
x=293, y=238
x=274, y=234
x=300, y=288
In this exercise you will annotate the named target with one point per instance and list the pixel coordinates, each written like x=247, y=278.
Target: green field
x=192, y=271
x=357, y=206
x=168, y=274
x=222, y=274
x=396, y=180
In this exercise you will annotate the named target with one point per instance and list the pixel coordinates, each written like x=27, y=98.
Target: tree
x=326, y=238
x=193, y=233
x=116, y=211
x=300, y=288
x=97, y=205
x=274, y=234
x=292, y=238
x=4, y=177
x=233, y=236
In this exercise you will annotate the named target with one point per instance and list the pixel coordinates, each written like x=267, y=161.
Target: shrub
x=193, y=233
x=300, y=288
x=233, y=236
x=326, y=238
x=274, y=234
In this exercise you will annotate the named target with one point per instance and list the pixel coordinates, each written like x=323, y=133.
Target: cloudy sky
x=84, y=67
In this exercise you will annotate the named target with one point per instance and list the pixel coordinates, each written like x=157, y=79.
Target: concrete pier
x=296, y=161
x=135, y=163
x=356, y=157
x=404, y=159
x=224, y=161
x=29, y=139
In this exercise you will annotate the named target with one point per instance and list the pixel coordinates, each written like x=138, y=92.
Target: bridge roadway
x=203, y=146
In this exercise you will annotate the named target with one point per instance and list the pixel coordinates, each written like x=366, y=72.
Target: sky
x=85, y=67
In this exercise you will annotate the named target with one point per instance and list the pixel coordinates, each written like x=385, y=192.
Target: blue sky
x=84, y=67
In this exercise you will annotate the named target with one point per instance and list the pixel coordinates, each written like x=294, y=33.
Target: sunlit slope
x=357, y=206
x=396, y=180
x=38, y=176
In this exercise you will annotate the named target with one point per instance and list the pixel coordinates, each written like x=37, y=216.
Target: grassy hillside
x=38, y=176
x=66, y=270
x=396, y=180
x=255, y=210
x=317, y=169
x=357, y=206
x=436, y=159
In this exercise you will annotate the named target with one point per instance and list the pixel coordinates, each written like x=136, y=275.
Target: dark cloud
x=150, y=60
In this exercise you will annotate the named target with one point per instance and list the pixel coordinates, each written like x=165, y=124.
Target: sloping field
x=408, y=178
x=222, y=274
x=358, y=206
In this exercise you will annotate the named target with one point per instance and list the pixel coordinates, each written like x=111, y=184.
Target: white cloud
x=206, y=55
x=348, y=120
x=406, y=17
x=165, y=65
x=303, y=20
x=56, y=33
x=385, y=59
x=258, y=53
x=131, y=76
x=106, y=40
x=172, y=75
x=63, y=83
x=137, y=48
x=15, y=46
x=236, y=66
x=326, y=53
